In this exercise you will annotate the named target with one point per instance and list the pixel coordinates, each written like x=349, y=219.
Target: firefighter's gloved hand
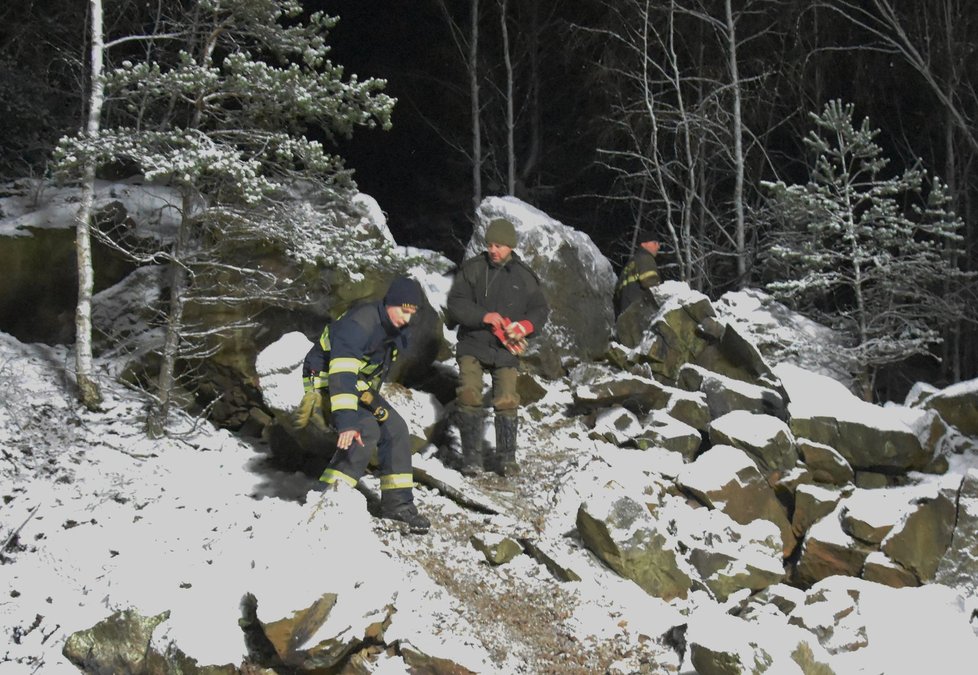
x=310, y=411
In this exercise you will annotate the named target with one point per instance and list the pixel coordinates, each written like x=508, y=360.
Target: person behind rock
x=352, y=358
x=497, y=302
x=639, y=275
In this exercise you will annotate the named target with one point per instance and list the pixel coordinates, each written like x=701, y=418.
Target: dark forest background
x=624, y=114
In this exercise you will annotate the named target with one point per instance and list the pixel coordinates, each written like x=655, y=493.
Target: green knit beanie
x=502, y=232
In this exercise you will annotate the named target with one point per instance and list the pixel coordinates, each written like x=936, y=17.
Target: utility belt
x=369, y=398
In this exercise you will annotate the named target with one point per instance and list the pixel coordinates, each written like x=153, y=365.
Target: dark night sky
x=405, y=168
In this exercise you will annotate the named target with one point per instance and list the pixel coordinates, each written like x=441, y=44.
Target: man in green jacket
x=497, y=302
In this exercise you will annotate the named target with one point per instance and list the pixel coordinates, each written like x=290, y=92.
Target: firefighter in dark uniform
x=496, y=302
x=352, y=358
x=640, y=274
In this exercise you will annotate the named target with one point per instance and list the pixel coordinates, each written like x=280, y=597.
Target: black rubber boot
x=470, y=432
x=506, y=428
x=398, y=504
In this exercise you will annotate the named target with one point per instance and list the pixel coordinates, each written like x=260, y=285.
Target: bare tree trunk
x=157, y=421
x=738, y=148
x=510, y=123
x=474, y=95
x=89, y=392
x=532, y=154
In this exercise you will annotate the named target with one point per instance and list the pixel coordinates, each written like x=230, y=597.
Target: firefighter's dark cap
x=404, y=292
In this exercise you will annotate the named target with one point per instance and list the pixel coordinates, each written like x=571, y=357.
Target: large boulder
x=812, y=503
x=726, y=394
x=662, y=331
x=826, y=465
x=828, y=551
x=766, y=439
x=308, y=294
x=958, y=405
x=124, y=643
x=621, y=532
x=726, y=478
x=959, y=565
x=577, y=280
x=919, y=541
x=870, y=437
x=782, y=335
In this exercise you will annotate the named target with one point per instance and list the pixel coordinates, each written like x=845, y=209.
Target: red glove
x=518, y=329
x=511, y=334
x=500, y=333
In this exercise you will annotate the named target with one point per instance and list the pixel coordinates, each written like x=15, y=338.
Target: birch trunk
x=740, y=236
x=89, y=392
x=510, y=149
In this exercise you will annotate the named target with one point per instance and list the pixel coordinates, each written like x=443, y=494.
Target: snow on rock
x=867, y=435
x=279, y=370
x=855, y=621
x=721, y=643
x=154, y=210
x=783, y=335
x=373, y=220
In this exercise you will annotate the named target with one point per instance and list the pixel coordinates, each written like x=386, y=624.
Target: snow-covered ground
x=98, y=518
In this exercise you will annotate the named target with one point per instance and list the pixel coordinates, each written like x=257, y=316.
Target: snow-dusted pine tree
x=867, y=254
x=223, y=110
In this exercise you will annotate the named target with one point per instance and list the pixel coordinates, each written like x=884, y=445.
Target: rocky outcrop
x=693, y=471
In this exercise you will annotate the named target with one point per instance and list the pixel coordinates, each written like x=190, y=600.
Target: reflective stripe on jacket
x=354, y=354
x=639, y=275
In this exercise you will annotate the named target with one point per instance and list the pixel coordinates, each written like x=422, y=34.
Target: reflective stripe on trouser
x=469, y=392
x=393, y=446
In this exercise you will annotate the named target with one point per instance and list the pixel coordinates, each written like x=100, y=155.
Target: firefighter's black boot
x=506, y=428
x=398, y=504
x=470, y=433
